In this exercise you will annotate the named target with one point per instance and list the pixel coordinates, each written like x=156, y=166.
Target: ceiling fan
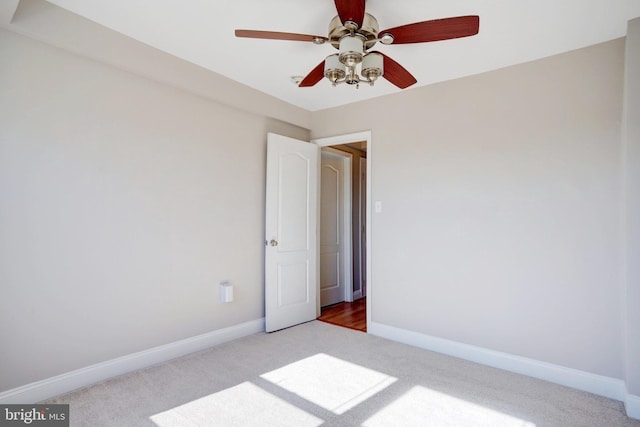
x=354, y=32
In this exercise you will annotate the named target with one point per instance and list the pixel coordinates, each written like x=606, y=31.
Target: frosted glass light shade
x=333, y=68
x=351, y=50
x=373, y=66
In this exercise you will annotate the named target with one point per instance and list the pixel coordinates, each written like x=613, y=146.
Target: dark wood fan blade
x=351, y=10
x=434, y=30
x=275, y=35
x=314, y=76
x=396, y=73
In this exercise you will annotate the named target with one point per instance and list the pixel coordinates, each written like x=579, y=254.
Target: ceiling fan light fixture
x=351, y=50
x=334, y=69
x=372, y=67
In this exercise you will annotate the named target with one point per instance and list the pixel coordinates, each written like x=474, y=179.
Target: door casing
x=346, y=139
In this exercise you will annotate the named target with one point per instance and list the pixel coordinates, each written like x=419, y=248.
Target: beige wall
x=125, y=200
x=501, y=208
x=631, y=164
x=42, y=20
x=123, y=203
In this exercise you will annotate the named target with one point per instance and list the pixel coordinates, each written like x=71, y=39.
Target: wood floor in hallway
x=352, y=315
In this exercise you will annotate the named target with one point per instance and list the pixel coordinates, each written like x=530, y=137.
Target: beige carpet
x=319, y=374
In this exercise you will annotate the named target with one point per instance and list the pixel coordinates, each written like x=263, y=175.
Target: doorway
x=354, y=312
x=352, y=315
x=336, y=260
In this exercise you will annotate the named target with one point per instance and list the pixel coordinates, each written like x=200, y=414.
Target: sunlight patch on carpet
x=329, y=382
x=243, y=405
x=421, y=406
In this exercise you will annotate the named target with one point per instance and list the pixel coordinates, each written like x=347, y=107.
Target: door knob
x=273, y=242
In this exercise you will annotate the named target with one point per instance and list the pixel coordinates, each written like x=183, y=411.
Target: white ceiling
x=202, y=32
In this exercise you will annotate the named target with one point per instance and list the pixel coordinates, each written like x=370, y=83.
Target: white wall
x=501, y=208
x=123, y=203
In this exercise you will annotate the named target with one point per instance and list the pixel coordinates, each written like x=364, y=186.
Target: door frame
x=347, y=256
x=346, y=139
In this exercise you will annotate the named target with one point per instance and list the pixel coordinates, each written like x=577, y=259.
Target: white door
x=291, y=274
x=334, y=248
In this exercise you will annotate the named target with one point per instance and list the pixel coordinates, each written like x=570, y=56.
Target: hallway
x=352, y=315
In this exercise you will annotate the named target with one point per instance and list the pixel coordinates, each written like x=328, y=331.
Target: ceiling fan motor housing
x=368, y=31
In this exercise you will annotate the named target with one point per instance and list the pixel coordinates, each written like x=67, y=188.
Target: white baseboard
x=357, y=295
x=64, y=383
x=632, y=406
x=585, y=381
